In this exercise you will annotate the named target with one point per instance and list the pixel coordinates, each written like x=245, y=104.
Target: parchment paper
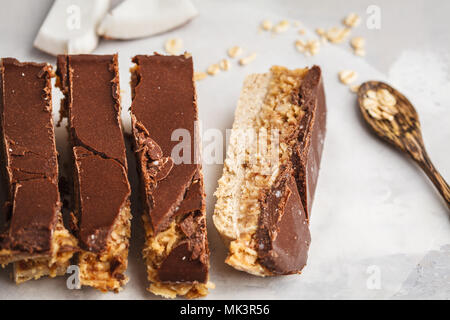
x=375, y=215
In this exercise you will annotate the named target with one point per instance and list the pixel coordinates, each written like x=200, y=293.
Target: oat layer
x=266, y=118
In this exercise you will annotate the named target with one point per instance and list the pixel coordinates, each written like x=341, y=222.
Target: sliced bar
x=35, y=237
x=270, y=174
x=101, y=202
x=176, y=248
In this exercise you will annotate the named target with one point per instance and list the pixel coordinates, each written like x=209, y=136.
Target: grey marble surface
x=374, y=211
x=406, y=24
x=430, y=279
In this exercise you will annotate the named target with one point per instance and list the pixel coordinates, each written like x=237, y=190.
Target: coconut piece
x=142, y=18
x=70, y=26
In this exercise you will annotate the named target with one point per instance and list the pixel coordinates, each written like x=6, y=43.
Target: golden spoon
x=390, y=114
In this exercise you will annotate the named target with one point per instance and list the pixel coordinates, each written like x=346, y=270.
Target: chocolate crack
x=79, y=143
x=90, y=84
x=29, y=157
x=164, y=100
x=155, y=168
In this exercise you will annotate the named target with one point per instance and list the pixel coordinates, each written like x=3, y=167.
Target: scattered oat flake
x=352, y=20
x=282, y=26
x=225, y=64
x=266, y=25
x=388, y=109
x=235, y=51
x=360, y=52
x=370, y=103
x=337, y=35
x=247, y=60
x=354, y=88
x=380, y=105
x=213, y=69
x=309, y=48
x=371, y=94
x=174, y=45
x=187, y=55
x=313, y=46
x=300, y=45
x=320, y=31
x=322, y=34
x=347, y=76
x=199, y=76
x=387, y=116
x=374, y=114
x=386, y=98
x=358, y=42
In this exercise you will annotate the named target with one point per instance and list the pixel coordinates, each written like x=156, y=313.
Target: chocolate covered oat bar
x=35, y=239
x=101, y=190
x=265, y=194
x=176, y=248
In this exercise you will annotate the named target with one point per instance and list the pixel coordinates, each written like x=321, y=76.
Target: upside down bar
x=101, y=202
x=35, y=238
x=176, y=248
x=265, y=194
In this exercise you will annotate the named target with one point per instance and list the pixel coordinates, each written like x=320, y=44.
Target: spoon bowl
x=394, y=119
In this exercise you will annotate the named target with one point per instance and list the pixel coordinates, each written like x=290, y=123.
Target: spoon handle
x=413, y=144
x=435, y=177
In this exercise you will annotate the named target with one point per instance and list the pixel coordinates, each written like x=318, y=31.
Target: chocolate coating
x=35, y=204
x=92, y=86
x=308, y=152
x=97, y=180
x=180, y=267
x=164, y=100
x=92, y=105
x=29, y=158
x=283, y=235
